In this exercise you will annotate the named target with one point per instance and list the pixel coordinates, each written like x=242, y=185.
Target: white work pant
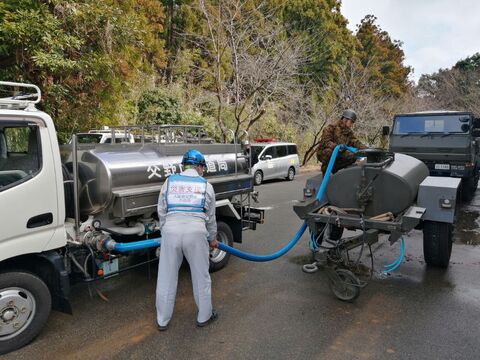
x=183, y=236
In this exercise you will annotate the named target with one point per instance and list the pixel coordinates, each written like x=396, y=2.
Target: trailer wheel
x=25, y=303
x=258, y=178
x=437, y=243
x=346, y=287
x=219, y=258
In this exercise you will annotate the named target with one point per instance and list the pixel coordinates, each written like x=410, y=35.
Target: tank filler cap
x=375, y=155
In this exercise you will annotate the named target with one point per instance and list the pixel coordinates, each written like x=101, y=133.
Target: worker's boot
x=213, y=317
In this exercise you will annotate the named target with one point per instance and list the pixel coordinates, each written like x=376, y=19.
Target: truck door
x=28, y=192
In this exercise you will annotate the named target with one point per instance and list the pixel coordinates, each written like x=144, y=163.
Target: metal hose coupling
x=96, y=240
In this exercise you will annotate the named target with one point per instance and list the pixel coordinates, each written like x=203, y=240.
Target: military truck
x=446, y=141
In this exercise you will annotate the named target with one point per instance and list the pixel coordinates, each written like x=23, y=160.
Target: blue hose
x=136, y=245
x=145, y=244
x=298, y=235
x=394, y=265
x=262, y=258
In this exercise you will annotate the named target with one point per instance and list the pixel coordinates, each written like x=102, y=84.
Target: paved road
x=274, y=310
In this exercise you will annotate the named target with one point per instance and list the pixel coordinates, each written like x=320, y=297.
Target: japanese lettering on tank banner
x=212, y=167
x=164, y=171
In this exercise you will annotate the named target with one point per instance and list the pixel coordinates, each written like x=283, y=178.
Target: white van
x=272, y=160
x=104, y=137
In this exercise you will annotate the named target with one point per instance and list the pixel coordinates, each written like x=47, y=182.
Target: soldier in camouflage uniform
x=339, y=133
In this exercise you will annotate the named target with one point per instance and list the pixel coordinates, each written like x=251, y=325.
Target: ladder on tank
x=163, y=134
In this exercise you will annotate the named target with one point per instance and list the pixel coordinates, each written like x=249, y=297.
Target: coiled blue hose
x=298, y=235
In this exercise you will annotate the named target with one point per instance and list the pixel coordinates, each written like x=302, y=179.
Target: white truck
x=75, y=212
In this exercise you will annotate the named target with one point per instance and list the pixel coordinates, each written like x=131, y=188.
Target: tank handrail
x=235, y=148
x=169, y=133
x=247, y=136
x=379, y=164
x=164, y=126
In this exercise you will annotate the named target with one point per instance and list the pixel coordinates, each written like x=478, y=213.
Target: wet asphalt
x=275, y=311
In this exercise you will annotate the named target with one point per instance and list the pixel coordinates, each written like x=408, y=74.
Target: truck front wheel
x=437, y=243
x=25, y=304
x=218, y=258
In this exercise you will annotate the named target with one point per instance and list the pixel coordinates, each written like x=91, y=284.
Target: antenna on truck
x=20, y=99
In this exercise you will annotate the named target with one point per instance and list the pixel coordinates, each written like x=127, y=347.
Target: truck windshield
x=444, y=124
x=89, y=138
x=256, y=150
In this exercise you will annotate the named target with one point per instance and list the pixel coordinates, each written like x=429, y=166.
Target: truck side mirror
x=268, y=157
x=386, y=130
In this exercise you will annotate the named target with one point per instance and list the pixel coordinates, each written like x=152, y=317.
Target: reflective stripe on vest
x=186, y=193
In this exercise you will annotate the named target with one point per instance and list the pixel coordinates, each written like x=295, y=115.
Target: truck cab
x=446, y=141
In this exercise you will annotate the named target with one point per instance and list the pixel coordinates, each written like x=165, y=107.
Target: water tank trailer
x=389, y=193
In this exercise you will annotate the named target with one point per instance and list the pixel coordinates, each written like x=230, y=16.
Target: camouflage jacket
x=333, y=135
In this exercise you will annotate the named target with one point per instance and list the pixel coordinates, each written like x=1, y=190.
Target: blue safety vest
x=186, y=193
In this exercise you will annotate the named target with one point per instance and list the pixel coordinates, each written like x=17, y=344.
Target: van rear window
x=292, y=149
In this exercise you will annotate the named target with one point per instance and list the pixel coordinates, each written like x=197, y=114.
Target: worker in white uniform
x=186, y=210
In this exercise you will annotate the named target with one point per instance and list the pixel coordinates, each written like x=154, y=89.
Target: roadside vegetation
x=275, y=68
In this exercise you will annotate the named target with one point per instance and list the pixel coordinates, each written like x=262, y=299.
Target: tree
x=457, y=88
x=85, y=55
x=159, y=107
x=252, y=60
x=383, y=56
x=324, y=27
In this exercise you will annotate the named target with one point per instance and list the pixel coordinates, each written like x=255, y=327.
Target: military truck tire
x=437, y=243
x=218, y=258
x=258, y=178
x=25, y=304
x=291, y=174
x=469, y=187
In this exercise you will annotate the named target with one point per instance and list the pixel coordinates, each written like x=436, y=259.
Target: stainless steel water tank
x=125, y=179
x=393, y=188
